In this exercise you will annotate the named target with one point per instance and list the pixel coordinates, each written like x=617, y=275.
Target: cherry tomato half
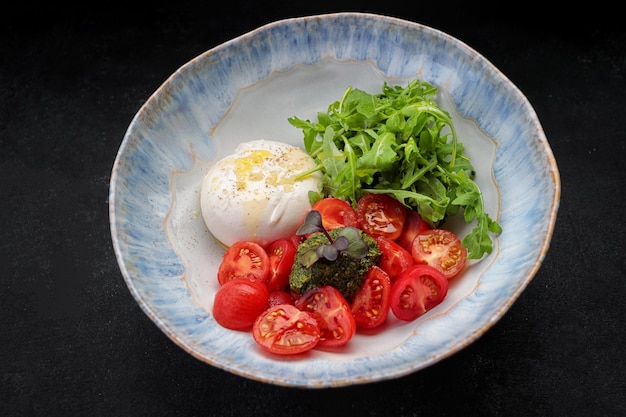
x=335, y=213
x=239, y=302
x=244, y=259
x=297, y=239
x=370, y=305
x=332, y=312
x=283, y=329
x=381, y=215
x=414, y=224
x=417, y=290
x=394, y=259
x=279, y=297
x=440, y=249
x=281, y=255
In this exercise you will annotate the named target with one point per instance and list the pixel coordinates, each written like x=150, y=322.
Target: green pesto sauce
x=345, y=273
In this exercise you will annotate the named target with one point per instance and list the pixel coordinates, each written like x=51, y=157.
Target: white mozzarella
x=253, y=194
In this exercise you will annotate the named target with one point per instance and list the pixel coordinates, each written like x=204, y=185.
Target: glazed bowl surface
x=246, y=89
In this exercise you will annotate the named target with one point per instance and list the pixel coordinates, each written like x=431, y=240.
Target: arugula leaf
x=381, y=155
x=398, y=142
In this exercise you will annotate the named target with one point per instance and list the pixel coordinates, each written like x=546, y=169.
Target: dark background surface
x=75, y=342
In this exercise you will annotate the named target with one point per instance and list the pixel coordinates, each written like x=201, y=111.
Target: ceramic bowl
x=246, y=89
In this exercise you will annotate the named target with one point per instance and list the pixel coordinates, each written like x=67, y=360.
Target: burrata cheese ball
x=254, y=193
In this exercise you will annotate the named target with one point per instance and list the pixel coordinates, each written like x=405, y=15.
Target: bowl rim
x=551, y=162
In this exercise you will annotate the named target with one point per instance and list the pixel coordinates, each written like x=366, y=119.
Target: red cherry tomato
x=278, y=297
x=370, y=305
x=297, y=239
x=244, y=259
x=394, y=259
x=381, y=215
x=417, y=290
x=332, y=312
x=239, y=302
x=281, y=255
x=440, y=249
x=285, y=330
x=335, y=213
x=414, y=224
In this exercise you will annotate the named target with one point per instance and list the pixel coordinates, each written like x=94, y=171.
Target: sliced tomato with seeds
x=335, y=213
x=281, y=255
x=394, y=259
x=244, y=259
x=370, y=305
x=416, y=291
x=239, y=302
x=440, y=249
x=381, y=215
x=283, y=329
x=413, y=225
x=333, y=313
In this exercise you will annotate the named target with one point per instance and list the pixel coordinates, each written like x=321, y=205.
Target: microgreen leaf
x=355, y=247
x=309, y=257
x=341, y=243
x=327, y=251
x=312, y=224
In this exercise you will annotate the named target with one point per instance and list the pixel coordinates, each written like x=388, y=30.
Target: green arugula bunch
x=398, y=142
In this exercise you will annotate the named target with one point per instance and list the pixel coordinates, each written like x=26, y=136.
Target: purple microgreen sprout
x=348, y=241
x=313, y=224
